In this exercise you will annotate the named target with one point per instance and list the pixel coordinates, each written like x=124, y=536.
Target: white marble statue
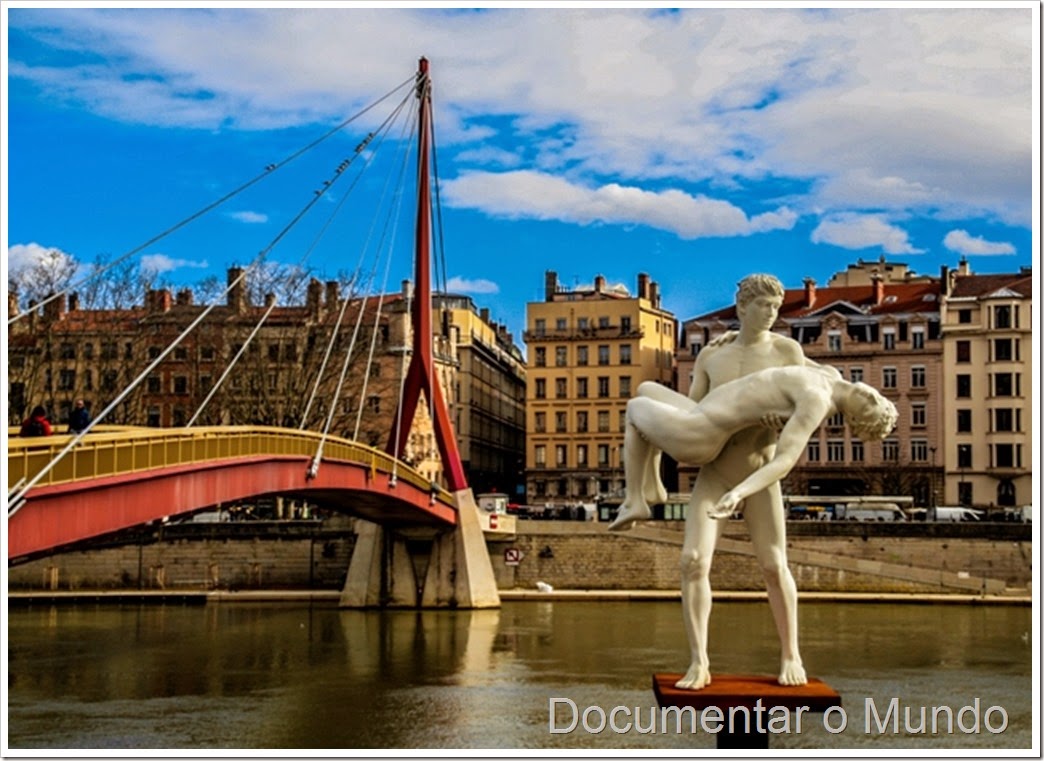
x=743, y=387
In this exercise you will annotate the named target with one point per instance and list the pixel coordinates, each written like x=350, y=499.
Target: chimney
x=643, y=285
x=484, y=314
x=407, y=289
x=333, y=294
x=944, y=280
x=55, y=308
x=74, y=302
x=810, y=292
x=599, y=284
x=184, y=297
x=878, y=285
x=550, y=285
x=314, y=298
x=166, y=300
x=237, y=295
x=962, y=268
x=654, y=295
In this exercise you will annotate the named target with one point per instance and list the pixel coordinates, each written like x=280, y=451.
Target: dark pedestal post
x=750, y=692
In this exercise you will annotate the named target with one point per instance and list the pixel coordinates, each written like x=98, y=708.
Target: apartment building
x=258, y=363
x=589, y=347
x=988, y=388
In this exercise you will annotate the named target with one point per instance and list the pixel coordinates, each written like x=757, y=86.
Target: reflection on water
x=281, y=676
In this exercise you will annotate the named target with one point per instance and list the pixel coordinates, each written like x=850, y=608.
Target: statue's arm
x=700, y=380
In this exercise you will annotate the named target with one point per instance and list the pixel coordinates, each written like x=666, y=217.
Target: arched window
x=1006, y=493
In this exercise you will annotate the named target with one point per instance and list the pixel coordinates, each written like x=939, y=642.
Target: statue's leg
x=766, y=521
x=637, y=453
x=654, y=491
x=701, y=536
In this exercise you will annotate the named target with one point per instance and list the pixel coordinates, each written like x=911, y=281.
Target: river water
x=283, y=676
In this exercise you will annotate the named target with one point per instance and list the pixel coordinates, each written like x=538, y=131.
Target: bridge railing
x=125, y=451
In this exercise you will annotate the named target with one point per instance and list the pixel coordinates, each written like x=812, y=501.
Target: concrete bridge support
x=404, y=570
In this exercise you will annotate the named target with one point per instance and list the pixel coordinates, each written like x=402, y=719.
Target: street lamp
x=933, y=500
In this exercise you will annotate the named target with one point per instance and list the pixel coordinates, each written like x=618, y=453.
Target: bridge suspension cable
x=269, y=170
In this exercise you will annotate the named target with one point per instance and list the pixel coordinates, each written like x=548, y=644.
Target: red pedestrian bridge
x=123, y=477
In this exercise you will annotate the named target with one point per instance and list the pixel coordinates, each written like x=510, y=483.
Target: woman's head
x=39, y=411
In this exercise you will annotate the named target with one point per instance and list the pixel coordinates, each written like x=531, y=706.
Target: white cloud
x=23, y=257
x=249, y=217
x=964, y=243
x=855, y=231
x=159, y=263
x=467, y=285
x=536, y=195
x=872, y=108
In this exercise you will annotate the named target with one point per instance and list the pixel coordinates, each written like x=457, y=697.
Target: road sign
x=512, y=556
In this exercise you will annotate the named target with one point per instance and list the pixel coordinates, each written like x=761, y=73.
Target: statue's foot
x=629, y=513
x=792, y=673
x=696, y=678
x=655, y=494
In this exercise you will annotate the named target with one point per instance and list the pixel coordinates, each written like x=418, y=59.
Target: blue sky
x=697, y=145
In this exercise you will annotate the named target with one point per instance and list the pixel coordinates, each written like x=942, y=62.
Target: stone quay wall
x=565, y=554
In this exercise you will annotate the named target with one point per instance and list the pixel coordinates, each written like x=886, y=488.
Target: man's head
x=756, y=285
x=79, y=404
x=871, y=417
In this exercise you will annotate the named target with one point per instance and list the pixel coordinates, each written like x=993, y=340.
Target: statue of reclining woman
x=695, y=432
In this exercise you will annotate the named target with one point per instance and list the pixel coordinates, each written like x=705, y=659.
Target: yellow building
x=588, y=348
x=988, y=388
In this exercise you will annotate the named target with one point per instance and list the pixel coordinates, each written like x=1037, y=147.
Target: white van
x=957, y=514
x=878, y=511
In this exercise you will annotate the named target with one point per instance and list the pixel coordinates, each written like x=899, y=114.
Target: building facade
x=588, y=348
x=988, y=388
x=257, y=363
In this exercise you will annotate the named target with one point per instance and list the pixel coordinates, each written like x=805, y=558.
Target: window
x=1004, y=456
x=541, y=388
x=917, y=338
x=918, y=415
x=856, y=374
x=834, y=340
x=622, y=425
x=625, y=354
x=152, y=417
x=560, y=323
x=964, y=493
x=625, y=385
x=152, y=384
x=1002, y=385
x=560, y=455
x=1002, y=316
x=108, y=350
x=603, y=322
x=917, y=376
x=374, y=403
x=581, y=455
x=581, y=355
x=108, y=380
x=154, y=351
x=603, y=355
x=560, y=422
x=207, y=353
x=835, y=450
x=857, y=450
x=890, y=450
x=1002, y=350
x=963, y=386
x=540, y=360
x=290, y=350
x=603, y=421
x=889, y=377
x=1003, y=419
x=603, y=455
x=837, y=420
x=540, y=326
x=581, y=421
x=964, y=455
x=88, y=380
x=581, y=388
x=540, y=455
x=540, y=422
x=180, y=354
x=625, y=324
x=581, y=323
x=813, y=450
x=888, y=337
x=180, y=384
x=919, y=450
x=66, y=380
x=964, y=351
x=560, y=388
x=964, y=316
x=67, y=351
x=603, y=387
x=561, y=356
x=964, y=421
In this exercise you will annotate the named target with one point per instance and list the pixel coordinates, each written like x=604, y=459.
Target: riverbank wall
x=831, y=558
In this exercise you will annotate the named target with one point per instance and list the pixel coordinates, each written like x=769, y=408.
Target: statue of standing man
x=754, y=347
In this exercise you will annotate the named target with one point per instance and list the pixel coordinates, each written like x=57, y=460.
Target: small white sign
x=512, y=556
